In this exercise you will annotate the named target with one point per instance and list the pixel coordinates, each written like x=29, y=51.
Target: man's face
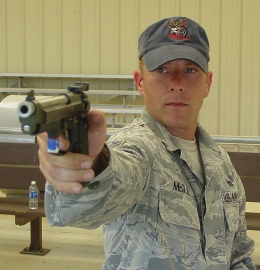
x=174, y=94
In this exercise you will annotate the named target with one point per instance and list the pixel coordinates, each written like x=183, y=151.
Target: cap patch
x=178, y=29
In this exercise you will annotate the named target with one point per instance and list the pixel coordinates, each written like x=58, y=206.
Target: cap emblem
x=178, y=29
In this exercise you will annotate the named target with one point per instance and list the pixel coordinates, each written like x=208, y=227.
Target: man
x=167, y=196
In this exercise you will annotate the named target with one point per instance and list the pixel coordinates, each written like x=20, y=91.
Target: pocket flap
x=179, y=209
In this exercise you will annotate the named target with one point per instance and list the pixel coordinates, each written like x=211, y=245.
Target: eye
x=161, y=70
x=190, y=70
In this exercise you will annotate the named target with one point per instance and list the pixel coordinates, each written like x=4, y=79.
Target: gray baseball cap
x=171, y=39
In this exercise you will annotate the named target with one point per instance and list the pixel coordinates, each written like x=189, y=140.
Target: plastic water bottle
x=33, y=196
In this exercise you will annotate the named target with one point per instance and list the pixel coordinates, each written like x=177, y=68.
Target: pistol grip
x=78, y=136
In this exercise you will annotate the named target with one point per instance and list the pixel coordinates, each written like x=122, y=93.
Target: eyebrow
x=187, y=63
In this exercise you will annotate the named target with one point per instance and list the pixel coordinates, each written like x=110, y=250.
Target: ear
x=208, y=83
x=138, y=77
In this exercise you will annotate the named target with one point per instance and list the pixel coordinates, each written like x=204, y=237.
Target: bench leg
x=35, y=247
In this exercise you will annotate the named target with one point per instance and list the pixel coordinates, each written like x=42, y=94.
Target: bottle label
x=33, y=195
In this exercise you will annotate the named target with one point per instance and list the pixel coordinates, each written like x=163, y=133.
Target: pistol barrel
x=27, y=108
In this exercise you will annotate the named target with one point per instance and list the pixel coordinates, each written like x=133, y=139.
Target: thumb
x=96, y=132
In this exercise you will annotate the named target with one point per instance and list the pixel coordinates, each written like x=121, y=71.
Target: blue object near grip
x=53, y=146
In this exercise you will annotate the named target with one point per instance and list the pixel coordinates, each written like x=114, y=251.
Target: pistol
x=65, y=113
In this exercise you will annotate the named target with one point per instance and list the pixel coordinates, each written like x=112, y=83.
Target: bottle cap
x=33, y=182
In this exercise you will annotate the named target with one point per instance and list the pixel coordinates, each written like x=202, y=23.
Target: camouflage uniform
x=155, y=210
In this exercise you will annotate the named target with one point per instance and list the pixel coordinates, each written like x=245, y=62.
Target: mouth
x=176, y=104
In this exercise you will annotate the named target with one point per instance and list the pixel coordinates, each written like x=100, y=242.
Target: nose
x=176, y=83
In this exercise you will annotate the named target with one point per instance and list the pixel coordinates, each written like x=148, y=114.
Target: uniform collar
x=167, y=138
x=212, y=155
x=159, y=130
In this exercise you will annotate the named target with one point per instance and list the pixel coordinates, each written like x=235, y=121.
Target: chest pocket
x=178, y=208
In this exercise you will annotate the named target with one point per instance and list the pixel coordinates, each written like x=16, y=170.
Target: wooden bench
x=247, y=166
x=18, y=167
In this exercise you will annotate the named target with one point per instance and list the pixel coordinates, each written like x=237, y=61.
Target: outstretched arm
x=67, y=173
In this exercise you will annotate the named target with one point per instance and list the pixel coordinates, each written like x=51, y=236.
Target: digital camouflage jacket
x=148, y=208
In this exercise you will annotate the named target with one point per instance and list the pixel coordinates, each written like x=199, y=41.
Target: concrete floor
x=71, y=248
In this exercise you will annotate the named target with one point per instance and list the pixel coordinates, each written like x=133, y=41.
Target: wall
x=100, y=37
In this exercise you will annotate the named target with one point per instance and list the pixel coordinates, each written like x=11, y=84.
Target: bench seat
x=247, y=166
x=20, y=209
x=18, y=167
